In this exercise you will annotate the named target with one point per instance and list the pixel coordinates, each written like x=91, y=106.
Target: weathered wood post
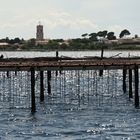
x=130, y=84
x=124, y=80
x=57, y=60
x=15, y=73
x=136, y=73
x=33, y=105
x=7, y=73
x=56, y=54
x=102, y=55
x=41, y=86
x=101, y=73
x=49, y=81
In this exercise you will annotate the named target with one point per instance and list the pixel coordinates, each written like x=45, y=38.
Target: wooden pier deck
x=53, y=63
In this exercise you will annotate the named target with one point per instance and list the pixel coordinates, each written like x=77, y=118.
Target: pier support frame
x=33, y=105
x=136, y=74
x=41, y=86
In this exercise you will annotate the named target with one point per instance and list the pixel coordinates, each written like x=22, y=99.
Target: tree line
x=16, y=40
x=105, y=34
x=86, y=41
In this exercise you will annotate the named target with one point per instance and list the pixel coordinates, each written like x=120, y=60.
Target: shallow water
x=73, y=112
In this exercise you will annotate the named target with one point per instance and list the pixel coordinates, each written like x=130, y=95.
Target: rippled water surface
x=71, y=53
x=75, y=111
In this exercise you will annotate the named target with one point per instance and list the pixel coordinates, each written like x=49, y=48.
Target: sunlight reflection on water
x=75, y=111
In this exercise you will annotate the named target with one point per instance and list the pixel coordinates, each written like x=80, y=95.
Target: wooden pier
x=129, y=66
x=53, y=63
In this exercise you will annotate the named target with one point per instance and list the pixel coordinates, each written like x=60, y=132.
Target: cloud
x=76, y=24
x=73, y=17
x=56, y=22
x=115, y=28
x=61, y=18
x=66, y=25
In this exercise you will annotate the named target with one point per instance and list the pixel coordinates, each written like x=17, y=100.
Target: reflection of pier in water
x=24, y=81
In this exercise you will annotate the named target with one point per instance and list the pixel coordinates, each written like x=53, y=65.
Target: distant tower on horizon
x=39, y=32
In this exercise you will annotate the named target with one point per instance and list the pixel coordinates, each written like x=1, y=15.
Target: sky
x=67, y=18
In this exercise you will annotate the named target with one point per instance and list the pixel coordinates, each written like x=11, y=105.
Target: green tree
x=13, y=41
x=84, y=35
x=111, y=36
x=17, y=40
x=123, y=33
x=93, y=37
x=31, y=43
x=53, y=44
x=102, y=34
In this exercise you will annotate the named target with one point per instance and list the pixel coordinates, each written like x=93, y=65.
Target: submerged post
x=130, y=84
x=124, y=80
x=41, y=86
x=136, y=73
x=33, y=106
x=49, y=82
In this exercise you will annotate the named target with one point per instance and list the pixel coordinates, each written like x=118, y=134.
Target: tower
x=39, y=32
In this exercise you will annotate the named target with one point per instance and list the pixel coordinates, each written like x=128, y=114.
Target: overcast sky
x=67, y=18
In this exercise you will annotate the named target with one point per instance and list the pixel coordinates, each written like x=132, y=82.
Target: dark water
x=71, y=122
x=76, y=110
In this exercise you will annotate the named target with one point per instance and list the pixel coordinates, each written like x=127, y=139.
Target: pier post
x=41, y=86
x=7, y=74
x=49, y=82
x=15, y=73
x=101, y=73
x=33, y=106
x=57, y=54
x=124, y=80
x=130, y=84
x=136, y=73
x=102, y=55
x=57, y=60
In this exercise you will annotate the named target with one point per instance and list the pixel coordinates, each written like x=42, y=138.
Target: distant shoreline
x=39, y=50
x=125, y=47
